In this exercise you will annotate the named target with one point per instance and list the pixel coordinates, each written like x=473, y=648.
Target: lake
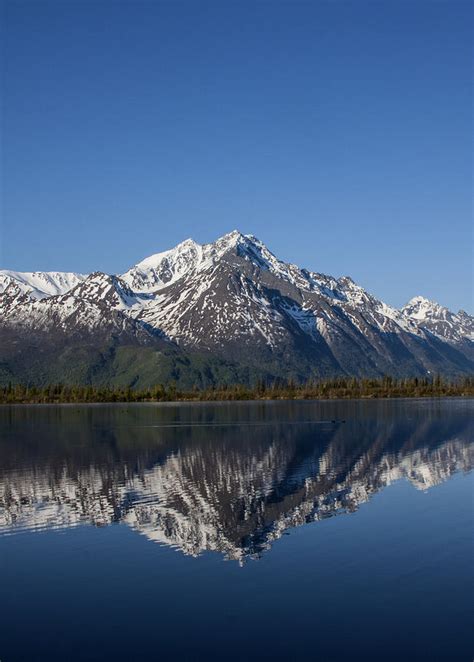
x=323, y=531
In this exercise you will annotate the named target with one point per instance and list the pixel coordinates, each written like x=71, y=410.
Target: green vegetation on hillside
x=386, y=387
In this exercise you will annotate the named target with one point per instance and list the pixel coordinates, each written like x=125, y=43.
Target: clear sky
x=339, y=133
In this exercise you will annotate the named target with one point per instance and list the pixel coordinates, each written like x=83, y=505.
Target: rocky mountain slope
x=218, y=312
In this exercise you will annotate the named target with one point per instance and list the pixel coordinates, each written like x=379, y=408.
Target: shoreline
x=332, y=389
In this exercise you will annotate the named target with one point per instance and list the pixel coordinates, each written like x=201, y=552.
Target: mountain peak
x=236, y=301
x=162, y=269
x=439, y=320
x=235, y=238
x=233, y=234
x=420, y=300
x=187, y=243
x=420, y=308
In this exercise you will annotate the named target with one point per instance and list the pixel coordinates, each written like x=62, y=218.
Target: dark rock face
x=229, y=303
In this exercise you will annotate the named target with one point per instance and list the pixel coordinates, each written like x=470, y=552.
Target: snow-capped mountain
x=40, y=284
x=93, y=304
x=162, y=269
x=234, y=301
x=439, y=320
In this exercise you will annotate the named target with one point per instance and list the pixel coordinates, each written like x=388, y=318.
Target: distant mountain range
x=221, y=312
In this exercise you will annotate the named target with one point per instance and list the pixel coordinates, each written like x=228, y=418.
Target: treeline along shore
x=385, y=387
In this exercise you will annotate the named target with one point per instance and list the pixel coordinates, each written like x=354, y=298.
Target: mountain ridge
x=234, y=301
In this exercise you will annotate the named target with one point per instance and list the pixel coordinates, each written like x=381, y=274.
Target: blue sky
x=337, y=132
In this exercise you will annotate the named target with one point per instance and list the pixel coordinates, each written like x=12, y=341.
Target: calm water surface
x=245, y=531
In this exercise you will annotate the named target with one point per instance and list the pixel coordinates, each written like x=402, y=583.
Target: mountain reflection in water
x=224, y=477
